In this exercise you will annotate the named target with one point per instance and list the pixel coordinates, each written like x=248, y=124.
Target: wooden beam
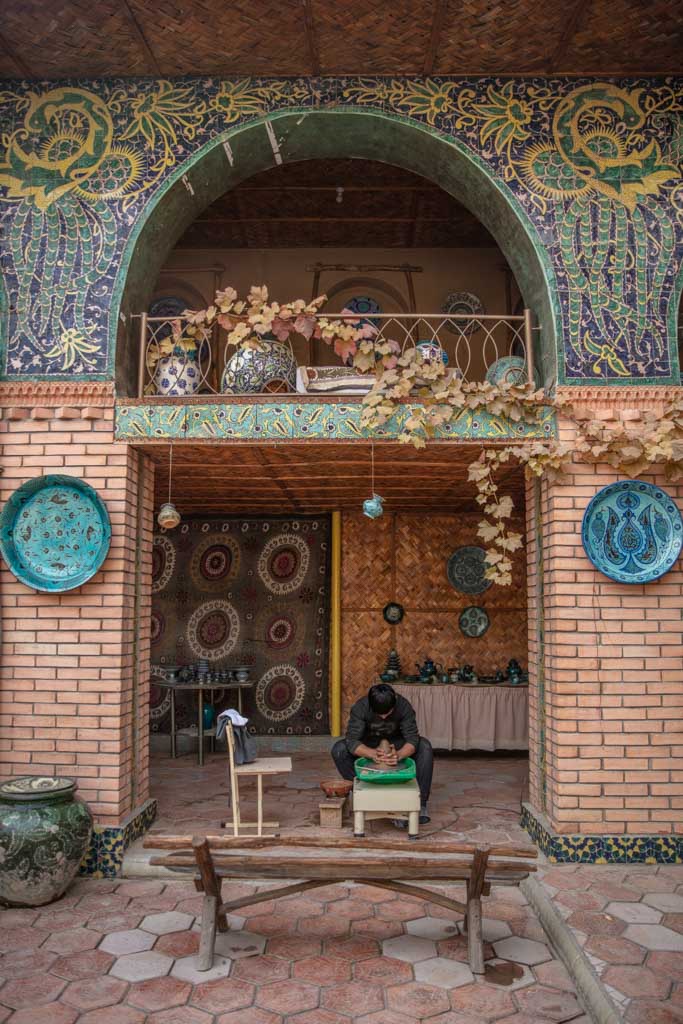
x=140, y=36
x=438, y=18
x=20, y=63
x=311, y=38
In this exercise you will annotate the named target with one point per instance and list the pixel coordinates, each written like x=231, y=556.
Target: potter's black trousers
x=424, y=764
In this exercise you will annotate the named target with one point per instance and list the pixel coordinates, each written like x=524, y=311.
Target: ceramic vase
x=177, y=375
x=44, y=834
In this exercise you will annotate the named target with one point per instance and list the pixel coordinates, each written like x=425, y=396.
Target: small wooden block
x=331, y=812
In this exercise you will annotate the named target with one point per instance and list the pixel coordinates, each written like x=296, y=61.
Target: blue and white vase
x=177, y=374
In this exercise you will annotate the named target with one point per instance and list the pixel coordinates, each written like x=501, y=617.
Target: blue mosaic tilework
x=591, y=168
x=314, y=421
x=618, y=849
x=104, y=858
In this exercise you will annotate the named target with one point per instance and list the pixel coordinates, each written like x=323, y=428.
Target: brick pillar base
x=74, y=672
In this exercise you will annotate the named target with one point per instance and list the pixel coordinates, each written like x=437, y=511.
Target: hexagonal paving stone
x=178, y=944
x=113, y=1015
x=186, y=969
x=494, y=930
x=654, y=936
x=668, y=902
x=434, y=928
x=387, y=1017
x=443, y=973
x=253, y=1015
x=239, y=944
x=410, y=948
x=92, y=993
x=294, y=948
x=132, y=941
x=383, y=970
x=159, y=994
x=523, y=951
x=55, y=1013
x=544, y=1003
x=261, y=969
x=615, y=949
x=288, y=997
x=163, y=924
x=417, y=1000
x=322, y=970
x=25, y=962
x=668, y=964
x=352, y=997
x=141, y=966
x=401, y=910
x=14, y=939
x=89, y=964
x=634, y=913
x=72, y=940
x=34, y=991
x=595, y=923
x=223, y=995
x=555, y=975
x=482, y=1000
x=352, y=949
x=637, y=982
x=181, y=1015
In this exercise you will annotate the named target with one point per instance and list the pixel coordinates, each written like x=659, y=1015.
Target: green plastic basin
x=404, y=772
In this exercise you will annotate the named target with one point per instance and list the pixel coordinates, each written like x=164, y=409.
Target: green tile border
x=600, y=849
x=104, y=858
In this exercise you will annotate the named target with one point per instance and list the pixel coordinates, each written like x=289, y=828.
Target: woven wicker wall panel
x=366, y=640
x=367, y=561
x=437, y=635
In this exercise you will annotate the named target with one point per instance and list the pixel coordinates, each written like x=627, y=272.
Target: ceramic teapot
x=428, y=669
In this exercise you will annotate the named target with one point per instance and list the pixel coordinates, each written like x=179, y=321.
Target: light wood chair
x=260, y=767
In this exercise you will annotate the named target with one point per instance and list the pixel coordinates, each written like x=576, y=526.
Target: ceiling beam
x=321, y=220
x=18, y=61
x=141, y=37
x=571, y=24
x=311, y=37
x=438, y=18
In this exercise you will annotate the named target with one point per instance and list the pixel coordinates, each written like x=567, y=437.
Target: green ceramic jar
x=44, y=833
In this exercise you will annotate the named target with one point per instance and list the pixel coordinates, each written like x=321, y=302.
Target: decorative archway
x=286, y=136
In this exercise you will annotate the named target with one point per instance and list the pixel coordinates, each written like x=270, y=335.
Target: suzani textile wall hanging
x=252, y=592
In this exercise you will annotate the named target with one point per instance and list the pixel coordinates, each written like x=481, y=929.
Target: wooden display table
x=478, y=716
x=200, y=689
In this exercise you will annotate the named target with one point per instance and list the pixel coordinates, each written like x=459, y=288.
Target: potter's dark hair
x=382, y=698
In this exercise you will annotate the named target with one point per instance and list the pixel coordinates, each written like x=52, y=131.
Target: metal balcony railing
x=471, y=345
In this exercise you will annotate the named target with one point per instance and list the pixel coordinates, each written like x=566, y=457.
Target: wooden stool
x=399, y=800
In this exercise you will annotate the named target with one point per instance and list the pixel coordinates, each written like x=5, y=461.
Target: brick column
x=74, y=671
x=606, y=672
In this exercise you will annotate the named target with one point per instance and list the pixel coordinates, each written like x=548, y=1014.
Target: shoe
x=399, y=823
x=424, y=817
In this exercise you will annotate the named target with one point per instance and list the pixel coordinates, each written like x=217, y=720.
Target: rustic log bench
x=385, y=865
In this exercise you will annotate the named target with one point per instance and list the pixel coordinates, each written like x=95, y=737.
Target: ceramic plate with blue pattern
x=466, y=570
x=632, y=531
x=54, y=533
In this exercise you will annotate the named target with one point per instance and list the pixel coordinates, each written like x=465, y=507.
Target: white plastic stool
x=373, y=800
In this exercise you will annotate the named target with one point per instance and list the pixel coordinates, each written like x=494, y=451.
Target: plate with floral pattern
x=54, y=533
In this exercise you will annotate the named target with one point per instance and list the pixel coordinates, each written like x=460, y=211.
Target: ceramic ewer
x=44, y=834
x=251, y=371
x=632, y=531
x=54, y=533
x=177, y=374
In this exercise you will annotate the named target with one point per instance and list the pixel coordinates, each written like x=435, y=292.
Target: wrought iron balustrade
x=470, y=344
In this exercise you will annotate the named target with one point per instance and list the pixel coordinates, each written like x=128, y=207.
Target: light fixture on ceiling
x=372, y=507
x=340, y=194
x=169, y=516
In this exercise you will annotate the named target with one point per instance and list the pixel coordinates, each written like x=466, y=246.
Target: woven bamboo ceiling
x=307, y=478
x=336, y=203
x=65, y=38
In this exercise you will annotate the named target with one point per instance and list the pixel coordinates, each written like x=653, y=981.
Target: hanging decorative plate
x=465, y=570
x=462, y=303
x=54, y=533
x=473, y=621
x=365, y=307
x=632, y=531
x=393, y=613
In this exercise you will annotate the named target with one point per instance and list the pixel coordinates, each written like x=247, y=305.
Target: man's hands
x=386, y=756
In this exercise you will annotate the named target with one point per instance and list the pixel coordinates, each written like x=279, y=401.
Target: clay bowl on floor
x=338, y=787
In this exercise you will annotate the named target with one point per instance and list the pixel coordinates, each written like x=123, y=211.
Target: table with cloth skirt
x=475, y=717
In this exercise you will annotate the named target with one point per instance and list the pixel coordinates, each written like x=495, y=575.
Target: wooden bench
x=317, y=862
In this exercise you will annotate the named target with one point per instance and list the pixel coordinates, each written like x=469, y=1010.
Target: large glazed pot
x=44, y=833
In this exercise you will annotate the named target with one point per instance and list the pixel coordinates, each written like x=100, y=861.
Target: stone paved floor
x=122, y=952
x=629, y=921
x=474, y=796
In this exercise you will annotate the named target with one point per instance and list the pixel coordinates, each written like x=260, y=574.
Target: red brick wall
x=613, y=674
x=69, y=661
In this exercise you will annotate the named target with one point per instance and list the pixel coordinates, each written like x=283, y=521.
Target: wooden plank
x=478, y=875
x=205, y=866
x=270, y=894
x=208, y=933
x=421, y=894
x=218, y=841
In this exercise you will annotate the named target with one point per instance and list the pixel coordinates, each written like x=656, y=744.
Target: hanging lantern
x=372, y=507
x=169, y=516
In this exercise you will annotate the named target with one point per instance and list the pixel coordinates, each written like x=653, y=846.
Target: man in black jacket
x=385, y=715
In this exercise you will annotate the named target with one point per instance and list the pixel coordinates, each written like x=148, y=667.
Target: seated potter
x=385, y=715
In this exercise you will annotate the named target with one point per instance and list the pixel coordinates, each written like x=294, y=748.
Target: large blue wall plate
x=54, y=533
x=632, y=531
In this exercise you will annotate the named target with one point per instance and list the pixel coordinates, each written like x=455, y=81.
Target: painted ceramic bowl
x=509, y=370
x=249, y=372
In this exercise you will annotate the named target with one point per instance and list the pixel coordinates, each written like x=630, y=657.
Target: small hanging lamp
x=169, y=516
x=372, y=507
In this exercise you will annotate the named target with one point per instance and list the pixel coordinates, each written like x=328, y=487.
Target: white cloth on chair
x=244, y=745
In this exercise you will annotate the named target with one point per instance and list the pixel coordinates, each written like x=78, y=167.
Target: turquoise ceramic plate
x=54, y=533
x=632, y=531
